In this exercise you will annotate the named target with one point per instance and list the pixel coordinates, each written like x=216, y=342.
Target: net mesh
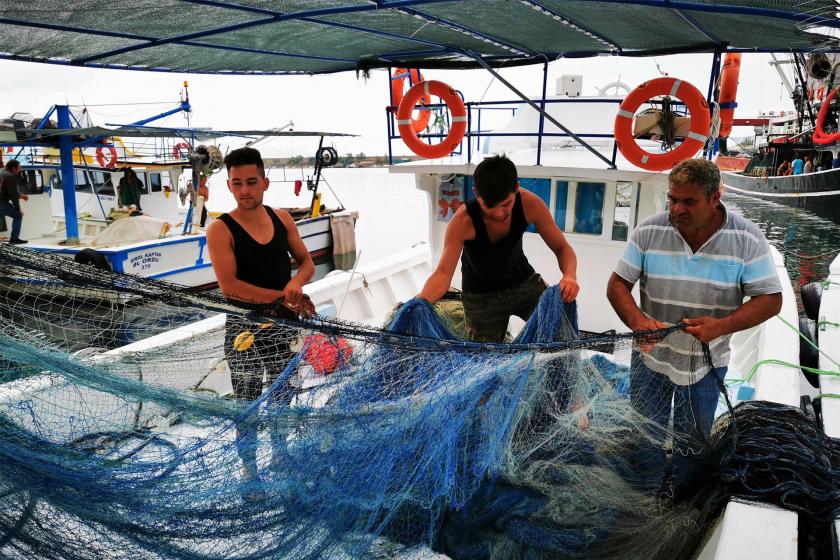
x=322, y=36
x=351, y=441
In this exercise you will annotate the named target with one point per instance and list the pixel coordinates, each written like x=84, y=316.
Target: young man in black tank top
x=249, y=248
x=486, y=234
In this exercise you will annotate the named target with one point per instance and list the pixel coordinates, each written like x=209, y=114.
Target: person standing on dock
x=695, y=264
x=10, y=197
x=486, y=233
x=250, y=250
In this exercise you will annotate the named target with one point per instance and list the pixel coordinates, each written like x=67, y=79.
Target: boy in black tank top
x=249, y=249
x=486, y=233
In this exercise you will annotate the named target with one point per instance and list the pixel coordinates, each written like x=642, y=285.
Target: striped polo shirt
x=677, y=284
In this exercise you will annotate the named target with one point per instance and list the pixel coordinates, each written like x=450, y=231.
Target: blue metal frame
x=516, y=49
x=683, y=8
x=274, y=17
x=801, y=16
x=689, y=19
x=540, y=7
x=500, y=105
x=542, y=112
x=66, y=145
x=65, y=148
x=149, y=41
x=709, y=151
x=712, y=97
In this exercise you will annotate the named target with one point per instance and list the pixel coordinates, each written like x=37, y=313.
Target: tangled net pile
x=418, y=444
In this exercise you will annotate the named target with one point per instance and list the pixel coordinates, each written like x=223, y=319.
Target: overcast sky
x=339, y=102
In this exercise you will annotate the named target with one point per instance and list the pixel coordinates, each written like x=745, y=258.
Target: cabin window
x=34, y=180
x=589, y=208
x=103, y=182
x=144, y=179
x=561, y=200
x=621, y=219
x=82, y=183
x=541, y=188
x=154, y=182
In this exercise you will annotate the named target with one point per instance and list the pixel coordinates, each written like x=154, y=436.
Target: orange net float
x=456, y=108
x=325, y=354
x=397, y=81
x=693, y=141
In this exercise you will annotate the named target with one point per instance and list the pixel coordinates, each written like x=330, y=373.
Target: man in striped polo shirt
x=695, y=264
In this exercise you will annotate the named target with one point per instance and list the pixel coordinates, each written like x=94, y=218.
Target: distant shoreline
x=347, y=160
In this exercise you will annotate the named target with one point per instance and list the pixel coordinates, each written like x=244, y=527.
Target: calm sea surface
x=392, y=213
x=808, y=242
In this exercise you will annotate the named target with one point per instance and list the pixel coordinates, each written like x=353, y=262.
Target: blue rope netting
x=417, y=443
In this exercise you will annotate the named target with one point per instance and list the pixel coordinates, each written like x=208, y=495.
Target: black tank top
x=490, y=267
x=266, y=266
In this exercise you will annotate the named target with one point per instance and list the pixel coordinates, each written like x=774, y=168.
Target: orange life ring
x=176, y=150
x=694, y=140
x=112, y=157
x=728, y=92
x=415, y=77
x=456, y=108
x=819, y=136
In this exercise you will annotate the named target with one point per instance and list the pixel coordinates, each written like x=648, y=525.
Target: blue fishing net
x=362, y=442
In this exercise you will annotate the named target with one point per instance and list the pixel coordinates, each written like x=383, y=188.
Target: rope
x=803, y=337
x=775, y=362
x=341, y=204
x=666, y=123
x=714, y=129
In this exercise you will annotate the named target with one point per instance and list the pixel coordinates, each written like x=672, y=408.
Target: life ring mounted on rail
x=694, y=139
x=728, y=92
x=456, y=108
x=414, y=77
x=178, y=150
x=111, y=162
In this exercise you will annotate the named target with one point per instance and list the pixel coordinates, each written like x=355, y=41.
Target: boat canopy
x=324, y=36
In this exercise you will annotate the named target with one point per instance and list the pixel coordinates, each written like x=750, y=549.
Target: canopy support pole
x=712, y=96
x=542, y=113
x=68, y=176
x=539, y=110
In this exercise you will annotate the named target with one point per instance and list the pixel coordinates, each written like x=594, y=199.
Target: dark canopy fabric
x=322, y=36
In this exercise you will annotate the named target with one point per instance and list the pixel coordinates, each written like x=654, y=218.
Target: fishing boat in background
x=166, y=239
x=809, y=131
